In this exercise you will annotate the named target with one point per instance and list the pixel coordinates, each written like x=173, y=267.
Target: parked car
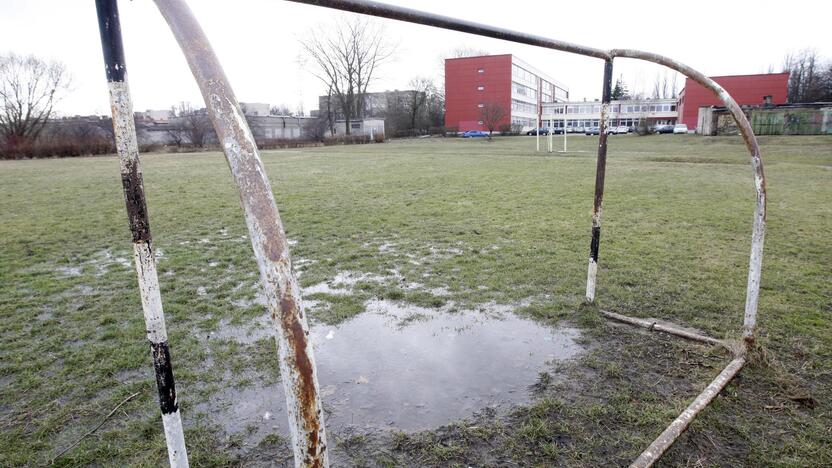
x=680, y=128
x=543, y=131
x=663, y=129
x=621, y=130
x=474, y=134
x=557, y=131
x=597, y=130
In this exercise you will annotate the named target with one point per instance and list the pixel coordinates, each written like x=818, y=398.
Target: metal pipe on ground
x=131, y=178
x=681, y=423
x=653, y=325
x=268, y=239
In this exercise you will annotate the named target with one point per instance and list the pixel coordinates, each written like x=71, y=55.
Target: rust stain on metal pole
x=600, y=174
x=268, y=239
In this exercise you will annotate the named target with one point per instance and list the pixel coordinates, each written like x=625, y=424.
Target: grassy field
x=481, y=221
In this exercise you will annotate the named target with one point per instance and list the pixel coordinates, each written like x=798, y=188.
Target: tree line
x=346, y=57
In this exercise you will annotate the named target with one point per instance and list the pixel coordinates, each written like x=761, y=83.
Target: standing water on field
x=403, y=367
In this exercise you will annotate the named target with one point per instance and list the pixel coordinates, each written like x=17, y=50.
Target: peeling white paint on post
x=591, y=273
x=145, y=262
x=755, y=264
x=268, y=239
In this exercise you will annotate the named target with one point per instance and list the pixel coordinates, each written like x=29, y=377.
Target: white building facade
x=576, y=116
x=531, y=91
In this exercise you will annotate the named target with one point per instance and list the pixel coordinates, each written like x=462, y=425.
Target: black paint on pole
x=110, y=29
x=593, y=246
x=136, y=204
x=164, y=377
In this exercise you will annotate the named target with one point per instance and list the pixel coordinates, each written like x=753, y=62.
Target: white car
x=680, y=128
x=621, y=130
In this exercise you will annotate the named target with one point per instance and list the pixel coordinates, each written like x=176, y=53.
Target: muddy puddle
x=401, y=367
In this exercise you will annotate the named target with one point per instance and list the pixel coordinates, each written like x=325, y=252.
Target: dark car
x=474, y=134
x=543, y=131
x=663, y=129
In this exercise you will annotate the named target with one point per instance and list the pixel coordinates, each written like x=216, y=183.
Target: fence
x=268, y=239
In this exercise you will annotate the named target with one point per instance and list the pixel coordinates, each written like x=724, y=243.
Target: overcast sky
x=257, y=42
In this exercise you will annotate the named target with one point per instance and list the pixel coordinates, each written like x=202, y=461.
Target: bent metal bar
x=269, y=243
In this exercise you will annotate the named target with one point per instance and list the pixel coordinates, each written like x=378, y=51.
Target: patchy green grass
x=481, y=221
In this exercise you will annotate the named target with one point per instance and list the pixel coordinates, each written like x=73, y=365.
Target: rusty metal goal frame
x=268, y=239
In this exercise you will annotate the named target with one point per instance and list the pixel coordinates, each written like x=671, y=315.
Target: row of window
x=595, y=122
x=523, y=121
x=523, y=90
x=616, y=108
x=525, y=107
x=523, y=76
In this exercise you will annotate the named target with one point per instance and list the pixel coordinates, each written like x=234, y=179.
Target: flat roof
x=521, y=62
x=749, y=74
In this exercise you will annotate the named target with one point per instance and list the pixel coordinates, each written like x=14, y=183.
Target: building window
x=480, y=105
x=520, y=106
x=480, y=88
x=481, y=71
x=480, y=122
x=355, y=125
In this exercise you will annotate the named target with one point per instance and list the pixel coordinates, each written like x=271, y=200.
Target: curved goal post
x=270, y=246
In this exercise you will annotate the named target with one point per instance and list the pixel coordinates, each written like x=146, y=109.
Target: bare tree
x=460, y=51
x=281, y=109
x=492, y=115
x=810, y=80
x=346, y=58
x=664, y=85
x=466, y=51
x=193, y=124
x=176, y=129
x=315, y=129
x=29, y=89
x=420, y=88
x=435, y=107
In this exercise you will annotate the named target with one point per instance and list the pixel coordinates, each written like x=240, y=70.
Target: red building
x=503, y=80
x=746, y=90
